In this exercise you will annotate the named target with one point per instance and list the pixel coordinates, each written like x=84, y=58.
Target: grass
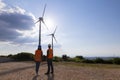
x=73, y=64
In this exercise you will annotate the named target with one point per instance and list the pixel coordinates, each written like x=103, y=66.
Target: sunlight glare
x=50, y=23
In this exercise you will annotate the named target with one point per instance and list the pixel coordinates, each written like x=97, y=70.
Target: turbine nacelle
x=40, y=18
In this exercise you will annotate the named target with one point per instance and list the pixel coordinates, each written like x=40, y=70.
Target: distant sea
x=104, y=58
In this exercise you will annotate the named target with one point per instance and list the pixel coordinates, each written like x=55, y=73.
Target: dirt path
x=26, y=71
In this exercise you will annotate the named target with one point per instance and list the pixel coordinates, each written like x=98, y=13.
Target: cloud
x=17, y=26
x=16, y=21
x=12, y=21
x=2, y=5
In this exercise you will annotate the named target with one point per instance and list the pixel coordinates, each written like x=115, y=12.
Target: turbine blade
x=49, y=34
x=54, y=38
x=44, y=10
x=45, y=24
x=55, y=30
x=37, y=22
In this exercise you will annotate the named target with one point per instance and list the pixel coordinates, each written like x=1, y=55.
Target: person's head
x=49, y=45
x=39, y=47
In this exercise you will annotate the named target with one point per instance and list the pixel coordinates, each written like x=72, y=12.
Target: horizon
x=69, y=55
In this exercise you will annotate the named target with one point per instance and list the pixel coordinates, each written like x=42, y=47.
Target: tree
x=10, y=55
x=44, y=58
x=57, y=59
x=99, y=60
x=116, y=60
x=80, y=57
x=23, y=56
x=65, y=57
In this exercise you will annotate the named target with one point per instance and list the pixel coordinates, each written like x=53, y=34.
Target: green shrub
x=65, y=57
x=71, y=60
x=57, y=59
x=10, y=55
x=99, y=60
x=116, y=60
x=87, y=61
x=77, y=59
x=24, y=56
x=80, y=57
x=109, y=61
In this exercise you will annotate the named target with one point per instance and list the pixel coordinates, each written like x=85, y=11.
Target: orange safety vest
x=50, y=54
x=38, y=55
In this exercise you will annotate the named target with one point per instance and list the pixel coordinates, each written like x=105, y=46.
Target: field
x=63, y=71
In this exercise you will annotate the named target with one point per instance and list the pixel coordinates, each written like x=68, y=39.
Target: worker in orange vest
x=49, y=60
x=38, y=58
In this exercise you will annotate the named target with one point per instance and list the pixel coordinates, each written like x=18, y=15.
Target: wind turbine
x=53, y=36
x=41, y=20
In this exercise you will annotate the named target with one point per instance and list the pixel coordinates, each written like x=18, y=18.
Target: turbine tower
x=53, y=36
x=41, y=20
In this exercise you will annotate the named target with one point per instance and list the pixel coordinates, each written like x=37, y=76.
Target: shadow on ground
x=50, y=77
x=35, y=77
x=38, y=77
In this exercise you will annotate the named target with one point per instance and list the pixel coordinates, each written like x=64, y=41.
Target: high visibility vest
x=50, y=54
x=38, y=55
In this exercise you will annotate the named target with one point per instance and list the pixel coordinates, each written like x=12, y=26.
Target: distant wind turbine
x=41, y=20
x=53, y=36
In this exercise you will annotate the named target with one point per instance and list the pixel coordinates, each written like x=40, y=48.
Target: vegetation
x=99, y=60
x=65, y=57
x=23, y=56
x=81, y=59
x=57, y=59
x=87, y=61
x=116, y=60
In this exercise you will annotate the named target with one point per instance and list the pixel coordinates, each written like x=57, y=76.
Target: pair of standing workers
x=38, y=59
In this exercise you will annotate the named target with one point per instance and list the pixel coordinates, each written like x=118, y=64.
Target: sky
x=90, y=28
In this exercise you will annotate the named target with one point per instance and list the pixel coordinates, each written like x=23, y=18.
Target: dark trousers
x=37, y=67
x=50, y=65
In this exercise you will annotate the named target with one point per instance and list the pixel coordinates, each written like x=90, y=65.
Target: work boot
x=52, y=72
x=46, y=73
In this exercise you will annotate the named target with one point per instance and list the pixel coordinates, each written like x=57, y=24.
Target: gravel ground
x=26, y=71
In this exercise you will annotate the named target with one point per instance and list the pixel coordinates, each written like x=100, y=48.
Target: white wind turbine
x=41, y=20
x=53, y=37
